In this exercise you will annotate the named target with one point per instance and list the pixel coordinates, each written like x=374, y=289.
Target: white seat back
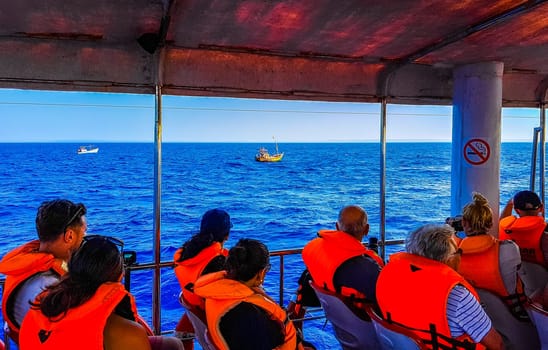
x=393, y=337
x=539, y=316
x=350, y=330
x=534, y=277
x=517, y=335
x=200, y=326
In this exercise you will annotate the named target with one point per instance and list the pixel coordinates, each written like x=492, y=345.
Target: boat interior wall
x=359, y=50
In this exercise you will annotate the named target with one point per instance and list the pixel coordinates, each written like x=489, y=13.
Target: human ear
x=68, y=235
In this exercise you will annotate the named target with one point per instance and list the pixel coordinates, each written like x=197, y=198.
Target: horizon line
x=286, y=142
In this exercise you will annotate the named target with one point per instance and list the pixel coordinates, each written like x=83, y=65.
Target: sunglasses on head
x=117, y=242
x=457, y=252
x=69, y=222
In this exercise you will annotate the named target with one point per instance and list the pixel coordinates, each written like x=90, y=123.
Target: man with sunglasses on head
x=61, y=225
x=90, y=293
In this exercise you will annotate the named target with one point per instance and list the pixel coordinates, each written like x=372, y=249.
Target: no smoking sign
x=476, y=151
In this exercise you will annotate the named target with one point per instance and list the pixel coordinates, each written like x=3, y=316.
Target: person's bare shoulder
x=123, y=334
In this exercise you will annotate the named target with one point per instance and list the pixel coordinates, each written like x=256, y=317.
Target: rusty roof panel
x=521, y=43
x=309, y=49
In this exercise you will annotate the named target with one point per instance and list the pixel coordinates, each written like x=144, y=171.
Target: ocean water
x=283, y=204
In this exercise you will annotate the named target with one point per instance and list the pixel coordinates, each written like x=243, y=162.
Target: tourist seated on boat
x=529, y=230
x=421, y=290
x=203, y=253
x=240, y=315
x=30, y=268
x=339, y=262
x=487, y=262
x=89, y=306
x=492, y=266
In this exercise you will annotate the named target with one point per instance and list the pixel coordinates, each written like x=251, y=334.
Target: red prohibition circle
x=476, y=151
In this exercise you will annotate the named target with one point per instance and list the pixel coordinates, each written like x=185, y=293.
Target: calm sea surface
x=283, y=204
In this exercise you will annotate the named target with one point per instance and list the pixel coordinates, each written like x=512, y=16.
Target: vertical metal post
x=156, y=302
x=542, y=155
x=534, y=151
x=281, y=281
x=382, y=225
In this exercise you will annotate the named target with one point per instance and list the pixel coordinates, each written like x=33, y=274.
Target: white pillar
x=477, y=103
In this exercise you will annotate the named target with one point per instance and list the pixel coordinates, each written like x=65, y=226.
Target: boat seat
x=539, y=316
x=534, y=277
x=198, y=320
x=517, y=335
x=351, y=331
x=392, y=336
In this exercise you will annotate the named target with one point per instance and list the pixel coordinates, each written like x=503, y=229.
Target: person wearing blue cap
x=528, y=229
x=203, y=253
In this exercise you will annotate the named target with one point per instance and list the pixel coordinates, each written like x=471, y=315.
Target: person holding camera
x=492, y=265
x=486, y=262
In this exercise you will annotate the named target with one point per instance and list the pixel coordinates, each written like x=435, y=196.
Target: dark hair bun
x=246, y=259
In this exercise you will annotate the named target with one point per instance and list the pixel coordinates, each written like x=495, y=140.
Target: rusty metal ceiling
x=351, y=50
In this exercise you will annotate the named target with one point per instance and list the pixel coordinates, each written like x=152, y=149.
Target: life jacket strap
x=450, y=343
x=515, y=304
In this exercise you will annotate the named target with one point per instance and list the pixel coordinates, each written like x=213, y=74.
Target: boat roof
x=327, y=50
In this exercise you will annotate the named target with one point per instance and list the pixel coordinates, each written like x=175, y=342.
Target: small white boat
x=88, y=149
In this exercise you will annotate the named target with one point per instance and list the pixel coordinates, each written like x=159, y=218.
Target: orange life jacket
x=527, y=232
x=479, y=263
x=19, y=265
x=481, y=267
x=82, y=327
x=323, y=256
x=189, y=270
x=412, y=291
x=222, y=294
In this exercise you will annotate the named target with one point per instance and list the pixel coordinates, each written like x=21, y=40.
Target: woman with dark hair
x=89, y=308
x=203, y=253
x=239, y=313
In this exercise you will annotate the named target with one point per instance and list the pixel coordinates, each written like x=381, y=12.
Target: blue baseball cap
x=526, y=200
x=216, y=222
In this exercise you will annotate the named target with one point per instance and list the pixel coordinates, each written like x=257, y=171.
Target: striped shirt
x=465, y=315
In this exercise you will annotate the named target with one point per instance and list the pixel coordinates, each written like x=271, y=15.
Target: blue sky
x=39, y=116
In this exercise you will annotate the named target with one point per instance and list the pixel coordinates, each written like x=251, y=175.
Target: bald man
x=339, y=262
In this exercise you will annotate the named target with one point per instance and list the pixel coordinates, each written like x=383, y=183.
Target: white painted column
x=477, y=104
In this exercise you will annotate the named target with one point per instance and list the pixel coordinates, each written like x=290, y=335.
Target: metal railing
x=311, y=314
x=276, y=253
x=282, y=254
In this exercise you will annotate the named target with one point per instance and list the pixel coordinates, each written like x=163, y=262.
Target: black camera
x=455, y=222
x=373, y=244
x=130, y=257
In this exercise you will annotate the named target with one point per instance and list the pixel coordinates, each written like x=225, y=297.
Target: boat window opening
x=293, y=198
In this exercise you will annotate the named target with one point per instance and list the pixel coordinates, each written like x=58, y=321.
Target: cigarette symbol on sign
x=477, y=151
